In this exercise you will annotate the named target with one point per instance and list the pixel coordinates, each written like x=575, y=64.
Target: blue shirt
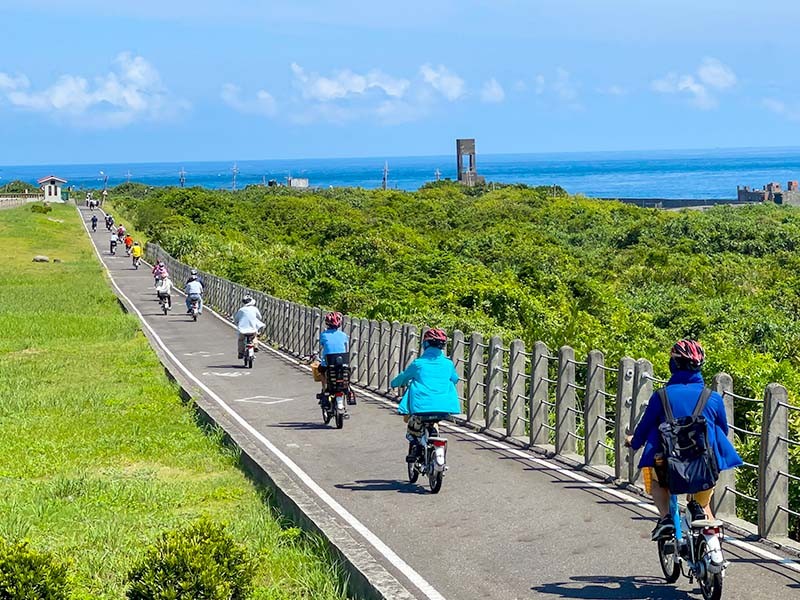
x=332, y=341
x=431, y=383
x=683, y=391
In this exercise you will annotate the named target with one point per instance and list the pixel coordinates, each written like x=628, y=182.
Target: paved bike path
x=506, y=525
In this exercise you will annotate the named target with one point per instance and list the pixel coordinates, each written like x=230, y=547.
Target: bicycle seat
x=701, y=523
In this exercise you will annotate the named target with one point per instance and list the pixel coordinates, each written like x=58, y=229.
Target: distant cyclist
x=194, y=293
x=136, y=253
x=684, y=388
x=431, y=391
x=159, y=271
x=94, y=222
x=332, y=341
x=248, y=322
x=164, y=289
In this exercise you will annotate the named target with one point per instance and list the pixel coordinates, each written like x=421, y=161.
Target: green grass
x=98, y=455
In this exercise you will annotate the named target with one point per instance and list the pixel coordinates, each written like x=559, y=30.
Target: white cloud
x=711, y=75
x=541, y=85
x=132, y=90
x=562, y=89
x=613, y=90
x=779, y=107
x=450, y=85
x=262, y=104
x=345, y=84
x=715, y=74
x=492, y=91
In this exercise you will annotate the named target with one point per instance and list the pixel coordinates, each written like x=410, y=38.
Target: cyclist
x=113, y=242
x=109, y=222
x=159, y=271
x=332, y=341
x=128, y=241
x=194, y=292
x=684, y=386
x=193, y=273
x=431, y=390
x=248, y=322
x=94, y=222
x=163, y=289
x=136, y=252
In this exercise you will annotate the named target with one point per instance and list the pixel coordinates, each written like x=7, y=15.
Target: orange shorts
x=649, y=475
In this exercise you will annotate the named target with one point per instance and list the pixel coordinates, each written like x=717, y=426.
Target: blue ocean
x=655, y=174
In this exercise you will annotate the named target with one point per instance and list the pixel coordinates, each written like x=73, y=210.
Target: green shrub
x=200, y=560
x=28, y=574
x=41, y=208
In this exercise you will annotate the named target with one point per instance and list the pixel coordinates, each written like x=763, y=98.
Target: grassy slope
x=98, y=455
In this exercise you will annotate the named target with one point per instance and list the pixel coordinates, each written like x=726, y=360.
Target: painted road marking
x=203, y=354
x=390, y=555
x=255, y=400
x=226, y=373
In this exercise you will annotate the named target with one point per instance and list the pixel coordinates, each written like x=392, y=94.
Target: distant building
x=467, y=175
x=51, y=188
x=297, y=182
x=771, y=192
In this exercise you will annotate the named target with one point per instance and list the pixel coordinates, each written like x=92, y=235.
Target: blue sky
x=179, y=80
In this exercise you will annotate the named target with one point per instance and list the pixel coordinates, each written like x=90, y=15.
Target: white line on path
x=254, y=401
x=226, y=373
x=787, y=562
x=426, y=588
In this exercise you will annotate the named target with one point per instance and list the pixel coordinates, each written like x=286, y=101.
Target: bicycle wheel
x=435, y=479
x=413, y=474
x=666, y=558
x=711, y=584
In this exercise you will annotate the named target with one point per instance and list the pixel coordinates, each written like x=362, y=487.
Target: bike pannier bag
x=691, y=462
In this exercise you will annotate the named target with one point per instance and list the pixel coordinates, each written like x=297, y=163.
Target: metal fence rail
x=558, y=401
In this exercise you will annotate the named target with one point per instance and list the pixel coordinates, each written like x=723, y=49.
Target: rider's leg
x=240, y=345
x=188, y=304
x=704, y=500
x=660, y=497
x=200, y=305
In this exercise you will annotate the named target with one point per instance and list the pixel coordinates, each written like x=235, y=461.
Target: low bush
x=30, y=574
x=41, y=208
x=200, y=560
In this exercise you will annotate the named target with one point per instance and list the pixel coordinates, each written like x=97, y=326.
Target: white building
x=51, y=188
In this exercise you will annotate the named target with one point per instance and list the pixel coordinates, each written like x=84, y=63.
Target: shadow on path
x=382, y=485
x=623, y=588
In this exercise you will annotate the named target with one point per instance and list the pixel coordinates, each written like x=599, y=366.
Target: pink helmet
x=688, y=353
x=435, y=337
x=333, y=319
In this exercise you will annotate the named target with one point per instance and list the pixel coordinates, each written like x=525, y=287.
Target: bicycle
x=428, y=453
x=338, y=393
x=249, y=350
x=700, y=552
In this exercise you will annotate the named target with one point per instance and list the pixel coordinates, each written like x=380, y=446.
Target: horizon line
x=405, y=156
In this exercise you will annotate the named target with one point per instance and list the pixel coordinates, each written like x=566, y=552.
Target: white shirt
x=164, y=286
x=248, y=319
x=194, y=287
x=114, y=237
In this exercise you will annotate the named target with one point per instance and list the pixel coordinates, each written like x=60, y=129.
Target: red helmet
x=435, y=337
x=688, y=353
x=333, y=319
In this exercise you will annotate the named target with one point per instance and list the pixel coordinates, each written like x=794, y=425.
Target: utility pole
x=182, y=175
x=385, y=182
x=235, y=173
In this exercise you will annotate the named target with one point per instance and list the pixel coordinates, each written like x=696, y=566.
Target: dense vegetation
x=99, y=455
x=522, y=262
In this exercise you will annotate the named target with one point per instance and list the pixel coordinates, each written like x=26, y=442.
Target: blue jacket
x=431, y=383
x=683, y=391
x=332, y=341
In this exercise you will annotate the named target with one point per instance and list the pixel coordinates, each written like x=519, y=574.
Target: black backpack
x=691, y=462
